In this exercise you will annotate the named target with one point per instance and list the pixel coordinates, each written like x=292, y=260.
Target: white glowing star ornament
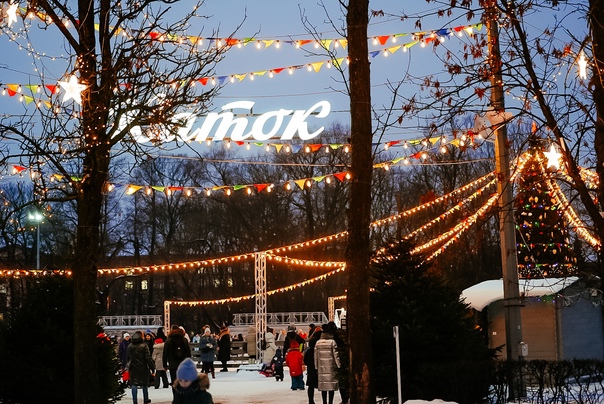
x=12, y=13
x=73, y=89
x=553, y=158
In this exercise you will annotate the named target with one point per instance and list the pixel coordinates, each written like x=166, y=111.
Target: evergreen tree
x=443, y=353
x=542, y=239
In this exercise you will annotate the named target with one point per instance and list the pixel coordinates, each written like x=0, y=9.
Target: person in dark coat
x=176, y=349
x=327, y=362
x=224, y=347
x=277, y=365
x=122, y=350
x=208, y=345
x=161, y=334
x=191, y=387
x=140, y=365
x=312, y=377
x=292, y=339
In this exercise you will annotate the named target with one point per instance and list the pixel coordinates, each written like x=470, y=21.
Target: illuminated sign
x=284, y=124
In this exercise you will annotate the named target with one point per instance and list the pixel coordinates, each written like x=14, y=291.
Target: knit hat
x=158, y=341
x=186, y=370
x=207, y=331
x=126, y=335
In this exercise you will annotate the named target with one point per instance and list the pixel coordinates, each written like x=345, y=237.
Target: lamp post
x=37, y=218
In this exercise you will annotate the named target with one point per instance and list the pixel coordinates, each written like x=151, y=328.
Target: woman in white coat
x=327, y=362
x=271, y=347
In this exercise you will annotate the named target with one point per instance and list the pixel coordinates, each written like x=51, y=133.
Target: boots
x=213, y=375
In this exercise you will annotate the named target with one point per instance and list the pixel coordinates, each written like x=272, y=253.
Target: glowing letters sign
x=216, y=126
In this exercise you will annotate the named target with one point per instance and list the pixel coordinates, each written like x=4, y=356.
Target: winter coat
x=327, y=362
x=157, y=355
x=140, y=363
x=250, y=341
x=312, y=376
x=295, y=362
x=207, y=345
x=196, y=393
x=292, y=340
x=122, y=352
x=224, y=346
x=176, y=349
x=271, y=347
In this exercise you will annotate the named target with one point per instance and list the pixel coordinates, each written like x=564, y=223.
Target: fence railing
x=155, y=320
x=301, y=317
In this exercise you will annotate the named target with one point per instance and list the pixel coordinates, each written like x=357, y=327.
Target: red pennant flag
x=19, y=169
x=232, y=41
x=239, y=143
x=203, y=80
x=341, y=176
x=260, y=187
x=278, y=70
x=52, y=88
x=154, y=35
x=383, y=39
x=416, y=155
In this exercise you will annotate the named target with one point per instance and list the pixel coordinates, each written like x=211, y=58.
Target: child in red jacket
x=295, y=362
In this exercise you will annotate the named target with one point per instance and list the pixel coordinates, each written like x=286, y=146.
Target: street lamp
x=37, y=218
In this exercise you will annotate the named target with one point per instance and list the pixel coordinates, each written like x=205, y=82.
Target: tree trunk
x=358, y=249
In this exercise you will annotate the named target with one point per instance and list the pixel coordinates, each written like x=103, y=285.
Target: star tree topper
x=73, y=89
x=12, y=13
x=553, y=158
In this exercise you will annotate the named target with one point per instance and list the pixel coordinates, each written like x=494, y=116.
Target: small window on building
x=129, y=285
x=144, y=284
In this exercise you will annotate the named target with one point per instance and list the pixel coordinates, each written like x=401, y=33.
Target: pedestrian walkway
x=234, y=387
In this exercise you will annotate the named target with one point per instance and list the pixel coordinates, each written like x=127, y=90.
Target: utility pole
x=511, y=293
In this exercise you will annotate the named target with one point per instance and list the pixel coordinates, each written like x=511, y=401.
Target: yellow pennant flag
x=132, y=189
x=268, y=42
x=300, y=183
x=317, y=66
x=278, y=146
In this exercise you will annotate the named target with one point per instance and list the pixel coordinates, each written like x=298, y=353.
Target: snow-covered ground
x=249, y=387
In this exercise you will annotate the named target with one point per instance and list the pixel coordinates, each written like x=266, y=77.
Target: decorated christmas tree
x=542, y=238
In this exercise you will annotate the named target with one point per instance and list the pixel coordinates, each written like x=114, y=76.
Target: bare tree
x=138, y=73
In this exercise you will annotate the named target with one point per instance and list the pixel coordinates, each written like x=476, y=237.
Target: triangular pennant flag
x=383, y=39
x=319, y=178
x=18, y=169
x=132, y=189
x=34, y=88
x=28, y=99
x=260, y=73
x=260, y=187
x=335, y=146
x=315, y=147
x=343, y=43
x=57, y=177
x=154, y=35
x=338, y=62
x=396, y=160
x=194, y=39
x=278, y=70
x=52, y=87
x=374, y=53
x=240, y=77
x=303, y=42
x=238, y=187
x=478, y=26
x=268, y=42
x=203, y=80
x=158, y=188
x=410, y=44
x=433, y=140
x=341, y=176
x=327, y=43
x=232, y=41
x=300, y=183
x=393, y=48
x=221, y=80
x=455, y=142
x=278, y=146
x=259, y=144
x=296, y=148
x=317, y=66
x=47, y=104
x=176, y=188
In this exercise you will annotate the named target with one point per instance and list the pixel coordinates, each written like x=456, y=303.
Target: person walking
x=207, y=345
x=327, y=362
x=191, y=387
x=224, y=347
x=176, y=349
x=140, y=365
x=312, y=376
x=250, y=344
x=295, y=363
x=271, y=346
x=123, y=349
x=157, y=356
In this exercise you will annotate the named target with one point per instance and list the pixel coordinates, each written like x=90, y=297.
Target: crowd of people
x=147, y=360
